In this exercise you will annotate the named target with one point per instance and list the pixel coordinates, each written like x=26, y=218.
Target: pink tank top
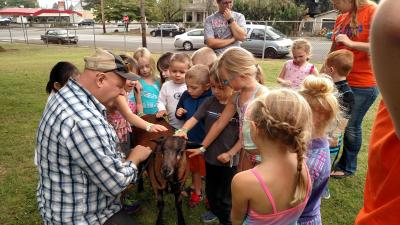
x=285, y=217
x=296, y=74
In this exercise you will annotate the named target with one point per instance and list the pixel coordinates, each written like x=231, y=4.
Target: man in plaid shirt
x=81, y=175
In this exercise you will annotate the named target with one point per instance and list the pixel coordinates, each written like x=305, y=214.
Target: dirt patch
x=2, y=171
x=7, y=50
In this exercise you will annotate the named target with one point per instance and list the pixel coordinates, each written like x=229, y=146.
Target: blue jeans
x=363, y=99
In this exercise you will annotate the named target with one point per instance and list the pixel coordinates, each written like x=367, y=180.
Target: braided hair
x=285, y=116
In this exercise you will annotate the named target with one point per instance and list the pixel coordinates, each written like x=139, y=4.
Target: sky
x=49, y=3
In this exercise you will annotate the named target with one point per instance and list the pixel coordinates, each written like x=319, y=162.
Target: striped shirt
x=81, y=175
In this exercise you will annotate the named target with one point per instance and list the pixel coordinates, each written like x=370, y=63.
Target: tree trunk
x=143, y=23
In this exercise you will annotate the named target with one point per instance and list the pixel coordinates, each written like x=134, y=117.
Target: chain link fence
x=161, y=36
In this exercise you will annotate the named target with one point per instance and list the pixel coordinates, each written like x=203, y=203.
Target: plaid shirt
x=80, y=174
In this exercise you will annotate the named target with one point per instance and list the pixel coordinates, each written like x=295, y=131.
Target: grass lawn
x=24, y=73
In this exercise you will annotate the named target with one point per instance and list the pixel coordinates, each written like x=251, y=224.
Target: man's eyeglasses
x=226, y=2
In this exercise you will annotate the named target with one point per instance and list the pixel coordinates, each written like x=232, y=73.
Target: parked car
x=86, y=22
x=167, y=30
x=193, y=39
x=5, y=21
x=276, y=43
x=59, y=36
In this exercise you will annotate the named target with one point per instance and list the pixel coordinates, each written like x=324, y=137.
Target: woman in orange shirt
x=351, y=32
x=382, y=187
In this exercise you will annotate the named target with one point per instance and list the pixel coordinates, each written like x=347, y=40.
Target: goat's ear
x=190, y=145
x=158, y=140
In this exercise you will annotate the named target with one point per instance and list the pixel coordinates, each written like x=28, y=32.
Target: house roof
x=33, y=11
x=327, y=12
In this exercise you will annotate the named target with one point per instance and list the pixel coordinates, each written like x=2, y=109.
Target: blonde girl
x=294, y=71
x=149, y=83
x=275, y=191
x=320, y=93
x=237, y=68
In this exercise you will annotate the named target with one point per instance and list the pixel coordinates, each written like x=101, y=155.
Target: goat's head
x=172, y=150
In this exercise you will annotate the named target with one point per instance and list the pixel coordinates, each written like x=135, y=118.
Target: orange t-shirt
x=361, y=75
x=382, y=187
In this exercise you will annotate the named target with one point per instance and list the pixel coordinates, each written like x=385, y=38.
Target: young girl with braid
x=320, y=93
x=276, y=190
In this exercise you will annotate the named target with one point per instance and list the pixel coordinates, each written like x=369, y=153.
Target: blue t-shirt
x=149, y=95
x=197, y=133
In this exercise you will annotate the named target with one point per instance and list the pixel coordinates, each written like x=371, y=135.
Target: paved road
x=130, y=42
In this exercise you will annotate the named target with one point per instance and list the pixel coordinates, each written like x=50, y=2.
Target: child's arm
x=180, y=110
x=189, y=124
x=385, y=48
x=123, y=108
x=162, y=102
x=281, y=78
x=239, y=199
x=227, y=156
x=315, y=71
x=138, y=99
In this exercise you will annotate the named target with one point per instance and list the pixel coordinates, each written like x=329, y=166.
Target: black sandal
x=341, y=176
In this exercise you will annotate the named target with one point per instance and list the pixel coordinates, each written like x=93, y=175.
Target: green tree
x=171, y=10
x=114, y=10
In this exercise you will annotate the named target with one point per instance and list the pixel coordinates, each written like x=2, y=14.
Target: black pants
x=218, y=191
x=120, y=218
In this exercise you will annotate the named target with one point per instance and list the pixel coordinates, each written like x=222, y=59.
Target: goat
x=167, y=165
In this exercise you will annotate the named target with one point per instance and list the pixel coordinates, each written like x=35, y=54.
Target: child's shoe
x=194, y=200
x=208, y=217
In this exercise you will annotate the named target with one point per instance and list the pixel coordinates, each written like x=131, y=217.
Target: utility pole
x=102, y=15
x=143, y=23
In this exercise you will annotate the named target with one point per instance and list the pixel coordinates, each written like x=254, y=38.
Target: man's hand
x=161, y=113
x=180, y=112
x=139, y=154
x=227, y=14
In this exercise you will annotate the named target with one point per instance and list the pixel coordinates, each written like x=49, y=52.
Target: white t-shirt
x=168, y=99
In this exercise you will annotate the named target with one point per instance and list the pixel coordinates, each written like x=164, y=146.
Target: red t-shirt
x=382, y=187
x=361, y=75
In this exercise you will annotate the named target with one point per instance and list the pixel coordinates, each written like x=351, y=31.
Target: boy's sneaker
x=208, y=217
x=194, y=200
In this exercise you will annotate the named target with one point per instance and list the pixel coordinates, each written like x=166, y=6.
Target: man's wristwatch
x=230, y=20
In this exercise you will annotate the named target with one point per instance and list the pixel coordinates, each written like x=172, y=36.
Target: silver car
x=193, y=39
x=276, y=44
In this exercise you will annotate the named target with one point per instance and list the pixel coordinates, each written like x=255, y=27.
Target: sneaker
x=208, y=217
x=326, y=194
x=194, y=200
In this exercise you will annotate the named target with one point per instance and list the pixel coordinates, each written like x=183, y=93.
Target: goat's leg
x=178, y=205
x=160, y=206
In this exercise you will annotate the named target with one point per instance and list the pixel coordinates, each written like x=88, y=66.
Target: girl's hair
x=320, y=93
x=238, y=61
x=182, y=58
x=302, y=44
x=285, y=116
x=130, y=62
x=145, y=53
x=214, y=73
x=353, y=22
x=163, y=64
x=60, y=73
